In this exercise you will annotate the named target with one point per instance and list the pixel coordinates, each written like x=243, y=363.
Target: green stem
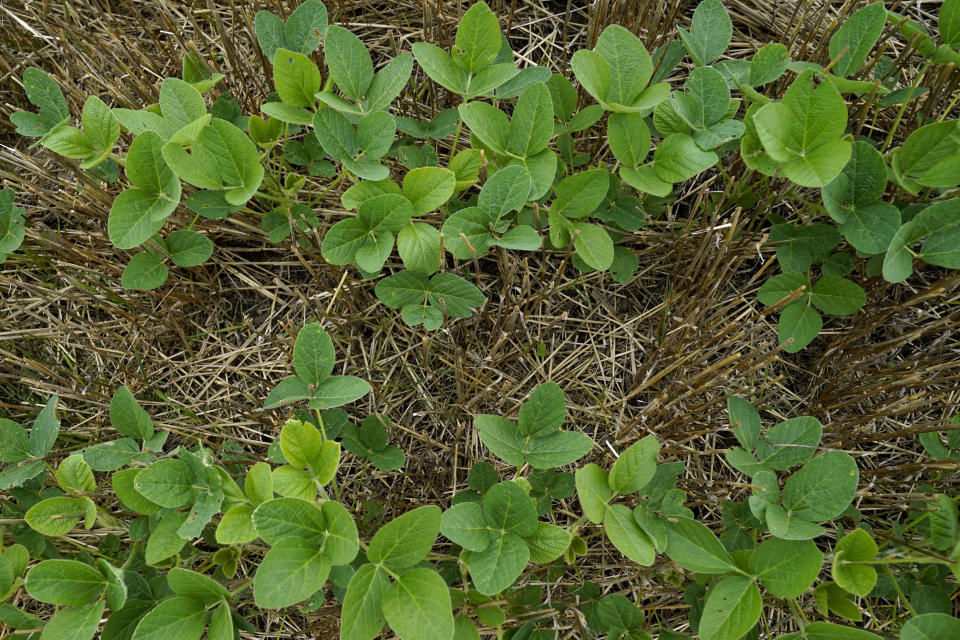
x=903, y=108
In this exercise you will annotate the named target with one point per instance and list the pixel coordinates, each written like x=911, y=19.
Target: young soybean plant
x=11, y=224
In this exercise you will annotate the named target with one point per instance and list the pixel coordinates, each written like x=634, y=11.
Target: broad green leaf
x=822, y=488
x=500, y=564
x=629, y=64
x=313, y=354
x=341, y=543
x=337, y=391
x=837, y=296
x=594, y=491
x=706, y=100
x=303, y=25
x=167, y=482
x=635, y=467
x=854, y=40
x=454, y=294
x=137, y=214
x=478, y=38
x=593, y=72
x=375, y=134
x=180, y=618
x=128, y=417
x=818, y=166
x=55, y=516
x=388, y=83
x=548, y=543
x=871, y=228
x=286, y=113
x=12, y=229
x=123, y=487
x=505, y=191
x=64, y=582
x=291, y=571
x=236, y=525
x=296, y=78
x=861, y=183
x=531, y=126
x=300, y=441
x=191, y=584
x=694, y=547
x=799, y=323
x=416, y=314
x=427, y=188
x=930, y=626
x=362, y=616
x=403, y=288
x=520, y=238
x=464, y=525
x=543, y=412
x=44, y=93
x=407, y=539
x=943, y=522
x=291, y=482
x=74, y=624
x=188, y=248
x=781, y=285
x=343, y=240
x=99, y=124
x=180, y=103
x=579, y=195
x=557, y=449
x=221, y=624
x=144, y=272
x=678, y=158
x=349, y=62
x=489, y=79
x=710, y=32
x=787, y=568
x=466, y=167
x=439, y=66
x=731, y=608
x=75, y=475
x=629, y=137
x=939, y=227
x=768, y=64
x=365, y=190
x=789, y=443
x=290, y=389
x=419, y=247
x=744, y=420
x=164, y=541
x=418, y=605
x=788, y=526
x=289, y=517
x=831, y=631
x=45, y=429
x=627, y=536
x=508, y=508
x=593, y=245
x=488, y=123
x=854, y=578
x=645, y=180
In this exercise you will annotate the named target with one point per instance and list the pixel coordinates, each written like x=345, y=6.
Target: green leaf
x=706, y=100
x=12, y=230
x=929, y=155
x=579, y=195
x=837, y=296
x=300, y=441
x=180, y=618
x=854, y=40
x=594, y=245
x=520, y=238
x=221, y=624
x=74, y=624
x=291, y=482
x=710, y=32
x=454, y=294
x=505, y=191
x=191, y=584
x=296, y=78
x=744, y=420
x=629, y=64
x=388, y=83
x=405, y=540
x=557, y=449
x=427, y=188
x=99, y=124
x=144, y=272
x=164, y=541
x=500, y=564
x=418, y=605
x=822, y=488
x=548, y=543
x=341, y=544
x=464, y=525
x=439, y=66
x=236, y=525
x=831, y=631
x=627, y=536
x=337, y=391
x=291, y=572
x=167, y=482
x=788, y=526
x=137, y=214
x=128, y=417
x=544, y=411
x=289, y=517
x=313, y=354
x=362, y=616
x=419, y=247
x=44, y=93
x=593, y=72
x=930, y=626
x=694, y=547
x=74, y=475
x=678, y=158
x=64, y=582
x=861, y=183
x=731, y=608
x=939, y=226
x=508, y=508
x=188, y=248
x=531, y=126
x=302, y=27
x=854, y=578
x=55, y=516
x=478, y=38
x=768, y=64
x=789, y=443
x=645, y=180
x=502, y=437
x=629, y=137
x=488, y=123
x=787, y=568
x=180, y=103
x=635, y=467
x=800, y=323
x=871, y=228
x=943, y=523
x=594, y=491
